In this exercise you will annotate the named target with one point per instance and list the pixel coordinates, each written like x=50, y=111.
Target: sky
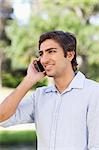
x=21, y=10
x=95, y=20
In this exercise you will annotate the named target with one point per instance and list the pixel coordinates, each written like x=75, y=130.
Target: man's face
x=52, y=58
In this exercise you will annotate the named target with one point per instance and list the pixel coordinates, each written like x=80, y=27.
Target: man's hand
x=33, y=75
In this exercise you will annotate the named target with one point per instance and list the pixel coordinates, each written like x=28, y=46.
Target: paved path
x=3, y=94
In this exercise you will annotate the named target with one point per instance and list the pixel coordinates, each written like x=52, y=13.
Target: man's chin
x=49, y=74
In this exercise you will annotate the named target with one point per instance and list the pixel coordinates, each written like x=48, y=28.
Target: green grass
x=17, y=137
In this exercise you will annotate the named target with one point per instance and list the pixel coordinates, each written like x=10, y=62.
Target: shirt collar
x=76, y=83
x=51, y=88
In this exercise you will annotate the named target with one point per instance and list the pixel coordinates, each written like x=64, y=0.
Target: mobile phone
x=38, y=66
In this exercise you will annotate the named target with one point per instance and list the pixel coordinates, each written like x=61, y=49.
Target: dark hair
x=65, y=39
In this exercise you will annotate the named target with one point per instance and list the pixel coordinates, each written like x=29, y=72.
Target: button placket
x=54, y=122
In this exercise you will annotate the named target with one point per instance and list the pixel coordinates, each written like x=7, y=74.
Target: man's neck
x=63, y=82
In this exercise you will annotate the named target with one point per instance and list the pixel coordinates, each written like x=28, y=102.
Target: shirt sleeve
x=24, y=113
x=93, y=121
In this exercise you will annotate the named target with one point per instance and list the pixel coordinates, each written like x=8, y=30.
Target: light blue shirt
x=66, y=121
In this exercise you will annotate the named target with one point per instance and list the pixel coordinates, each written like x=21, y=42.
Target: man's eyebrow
x=40, y=51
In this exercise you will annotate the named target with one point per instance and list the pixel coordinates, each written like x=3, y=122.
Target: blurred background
x=22, y=22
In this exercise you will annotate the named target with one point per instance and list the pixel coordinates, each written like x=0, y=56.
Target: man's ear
x=70, y=55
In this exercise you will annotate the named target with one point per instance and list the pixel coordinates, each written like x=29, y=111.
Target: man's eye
x=52, y=51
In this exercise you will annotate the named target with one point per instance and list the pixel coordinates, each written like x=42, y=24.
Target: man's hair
x=65, y=39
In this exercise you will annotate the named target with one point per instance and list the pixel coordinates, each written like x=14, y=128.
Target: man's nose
x=44, y=59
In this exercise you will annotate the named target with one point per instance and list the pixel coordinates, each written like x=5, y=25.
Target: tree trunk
x=0, y=73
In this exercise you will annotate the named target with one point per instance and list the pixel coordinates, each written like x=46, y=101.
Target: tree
x=5, y=14
x=73, y=16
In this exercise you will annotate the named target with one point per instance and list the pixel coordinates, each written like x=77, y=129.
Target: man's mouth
x=48, y=67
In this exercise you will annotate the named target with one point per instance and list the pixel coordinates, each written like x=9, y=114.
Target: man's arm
x=10, y=104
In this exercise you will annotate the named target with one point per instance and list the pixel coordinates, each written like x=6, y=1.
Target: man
x=66, y=114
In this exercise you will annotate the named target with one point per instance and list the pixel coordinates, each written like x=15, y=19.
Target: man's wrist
x=28, y=81
x=26, y=84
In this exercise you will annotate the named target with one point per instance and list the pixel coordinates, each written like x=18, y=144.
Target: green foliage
x=17, y=137
x=73, y=16
x=8, y=80
x=22, y=45
x=43, y=82
x=93, y=72
x=13, y=81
